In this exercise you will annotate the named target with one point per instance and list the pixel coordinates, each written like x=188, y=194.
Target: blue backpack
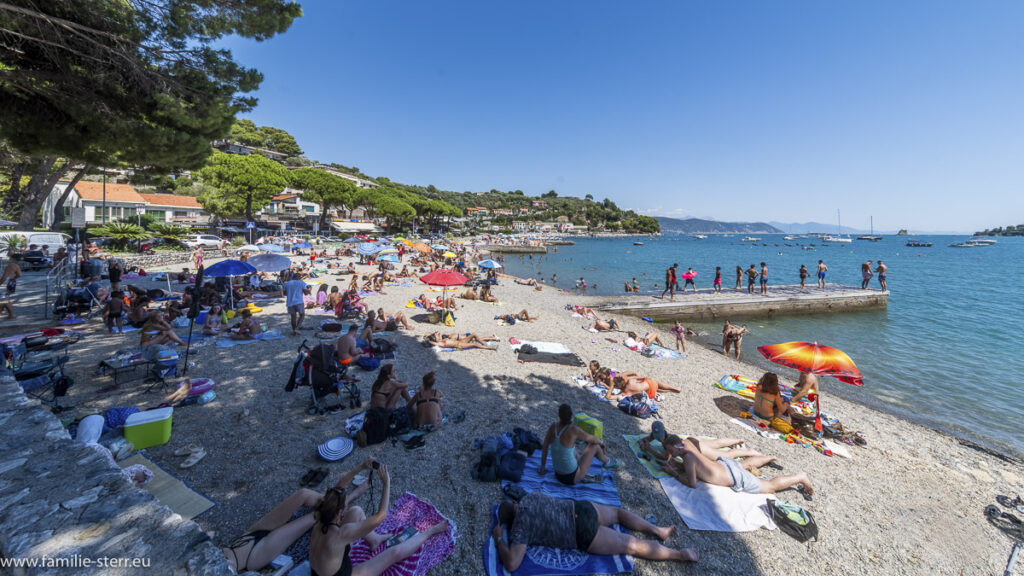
x=636, y=405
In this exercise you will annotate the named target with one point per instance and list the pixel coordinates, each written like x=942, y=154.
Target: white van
x=53, y=240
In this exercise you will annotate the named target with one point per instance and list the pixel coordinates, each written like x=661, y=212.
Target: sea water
x=948, y=352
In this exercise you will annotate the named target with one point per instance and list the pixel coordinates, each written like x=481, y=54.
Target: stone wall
x=60, y=498
x=168, y=259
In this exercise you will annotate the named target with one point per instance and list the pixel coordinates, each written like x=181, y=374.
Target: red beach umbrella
x=814, y=358
x=444, y=277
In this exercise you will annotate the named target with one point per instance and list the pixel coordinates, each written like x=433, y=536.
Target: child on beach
x=680, y=333
x=112, y=311
x=718, y=280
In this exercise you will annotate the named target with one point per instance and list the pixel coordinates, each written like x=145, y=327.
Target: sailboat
x=838, y=237
x=870, y=237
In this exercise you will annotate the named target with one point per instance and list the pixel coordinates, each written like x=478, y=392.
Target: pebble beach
x=910, y=502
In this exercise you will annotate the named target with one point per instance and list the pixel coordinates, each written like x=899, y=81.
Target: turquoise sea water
x=947, y=353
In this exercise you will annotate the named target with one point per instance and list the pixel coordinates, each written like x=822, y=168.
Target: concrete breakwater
x=709, y=306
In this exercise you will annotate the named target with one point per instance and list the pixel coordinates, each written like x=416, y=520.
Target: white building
x=122, y=202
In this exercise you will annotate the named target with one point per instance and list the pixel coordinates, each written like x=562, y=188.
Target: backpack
x=376, y=425
x=511, y=466
x=399, y=423
x=381, y=346
x=793, y=520
x=526, y=441
x=486, y=470
x=636, y=405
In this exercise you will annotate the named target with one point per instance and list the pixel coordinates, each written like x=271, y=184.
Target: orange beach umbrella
x=421, y=247
x=814, y=358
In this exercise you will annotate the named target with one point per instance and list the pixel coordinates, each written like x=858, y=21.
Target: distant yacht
x=973, y=243
x=793, y=237
x=870, y=237
x=918, y=244
x=750, y=239
x=838, y=237
x=699, y=237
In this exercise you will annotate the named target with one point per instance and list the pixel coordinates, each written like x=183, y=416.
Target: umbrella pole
x=188, y=345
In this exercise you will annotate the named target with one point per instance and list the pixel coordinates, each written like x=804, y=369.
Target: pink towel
x=409, y=509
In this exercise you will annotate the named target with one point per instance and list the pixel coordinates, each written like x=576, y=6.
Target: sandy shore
x=909, y=503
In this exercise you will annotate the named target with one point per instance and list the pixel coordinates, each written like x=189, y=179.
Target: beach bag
x=370, y=363
x=793, y=520
x=399, y=423
x=376, y=425
x=511, y=466
x=381, y=346
x=449, y=319
x=528, y=349
x=636, y=405
x=525, y=441
x=486, y=470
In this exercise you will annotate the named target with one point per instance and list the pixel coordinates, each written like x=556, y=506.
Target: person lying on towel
x=542, y=520
x=705, y=460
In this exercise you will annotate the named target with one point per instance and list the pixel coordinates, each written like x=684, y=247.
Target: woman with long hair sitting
x=387, y=389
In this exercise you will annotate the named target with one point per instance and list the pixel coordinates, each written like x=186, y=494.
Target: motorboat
x=792, y=238
x=750, y=239
x=973, y=243
x=699, y=237
x=842, y=239
x=638, y=243
x=918, y=244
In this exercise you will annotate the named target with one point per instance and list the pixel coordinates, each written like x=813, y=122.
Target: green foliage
x=141, y=78
x=121, y=232
x=1007, y=231
x=246, y=132
x=147, y=221
x=170, y=233
x=322, y=187
x=244, y=183
x=13, y=243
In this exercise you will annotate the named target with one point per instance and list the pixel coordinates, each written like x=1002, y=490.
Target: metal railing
x=57, y=278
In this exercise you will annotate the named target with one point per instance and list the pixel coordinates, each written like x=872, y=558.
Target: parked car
x=204, y=240
x=33, y=260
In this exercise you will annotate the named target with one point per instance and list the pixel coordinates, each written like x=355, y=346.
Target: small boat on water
x=750, y=239
x=638, y=243
x=870, y=237
x=973, y=243
x=699, y=237
x=918, y=244
x=842, y=239
x=791, y=238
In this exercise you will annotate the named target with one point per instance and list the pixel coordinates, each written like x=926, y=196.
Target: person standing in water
x=718, y=280
x=882, y=268
x=764, y=279
x=821, y=274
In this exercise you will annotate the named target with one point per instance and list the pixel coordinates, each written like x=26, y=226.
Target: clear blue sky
x=911, y=112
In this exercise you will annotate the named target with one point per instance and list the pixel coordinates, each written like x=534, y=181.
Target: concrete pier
x=732, y=304
x=502, y=248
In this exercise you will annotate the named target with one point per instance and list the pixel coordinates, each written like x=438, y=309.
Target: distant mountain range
x=805, y=227
x=701, y=226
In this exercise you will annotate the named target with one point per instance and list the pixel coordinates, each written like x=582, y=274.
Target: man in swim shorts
x=542, y=520
x=671, y=283
x=764, y=279
x=821, y=274
x=866, y=275
x=882, y=268
x=347, y=348
x=751, y=277
x=713, y=466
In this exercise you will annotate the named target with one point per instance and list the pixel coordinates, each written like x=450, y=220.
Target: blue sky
x=910, y=112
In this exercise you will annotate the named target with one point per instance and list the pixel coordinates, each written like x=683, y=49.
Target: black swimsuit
x=346, y=565
x=254, y=538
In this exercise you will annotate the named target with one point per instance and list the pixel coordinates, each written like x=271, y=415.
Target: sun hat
x=658, y=430
x=335, y=448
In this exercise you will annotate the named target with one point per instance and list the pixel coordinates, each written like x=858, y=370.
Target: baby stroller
x=318, y=368
x=76, y=301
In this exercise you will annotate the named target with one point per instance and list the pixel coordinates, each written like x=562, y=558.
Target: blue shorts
x=764, y=281
x=821, y=274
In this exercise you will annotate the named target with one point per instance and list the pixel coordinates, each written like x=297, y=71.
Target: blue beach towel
x=540, y=561
x=268, y=335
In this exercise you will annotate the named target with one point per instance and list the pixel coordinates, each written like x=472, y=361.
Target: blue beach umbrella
x=440, y=247
x=351, y=240
x=270, y=262
x=489, y=264
x=388, y=258
x=271, y=248
x=368, y=248
x=229, y=268
x=303, y=245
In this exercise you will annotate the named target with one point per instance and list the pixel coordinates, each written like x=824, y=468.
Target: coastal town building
x=122, y=202
x=231, y=147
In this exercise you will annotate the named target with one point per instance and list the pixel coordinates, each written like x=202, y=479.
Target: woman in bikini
x=571, y=468
x=337, y=525
x=387, y=389
x=214, y=323
x=525, y=316
x=732, y=337
x=466, y=343
x=273, y=534
x=157, y=331
x=629, y=385
x=768, y=401
x=426, y=405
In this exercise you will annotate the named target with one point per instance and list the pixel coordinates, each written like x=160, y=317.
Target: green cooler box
x=590, y=425
x=149, y=428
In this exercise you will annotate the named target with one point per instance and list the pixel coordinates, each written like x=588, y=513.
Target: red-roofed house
x=174, y=208
x=122, y=202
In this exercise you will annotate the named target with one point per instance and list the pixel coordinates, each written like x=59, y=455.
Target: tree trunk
x=58, y=207
x=13, y=197
x=39, y=187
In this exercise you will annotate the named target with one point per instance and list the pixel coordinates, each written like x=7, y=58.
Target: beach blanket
x=652, y=467
x=268, y=335
x=591, y=386
x=540, y=561
x=408, y=510
x=718, y=508
x=565, y=359
x=169, y=490
x=746, y=387
x=656, y=351
x=549, y=347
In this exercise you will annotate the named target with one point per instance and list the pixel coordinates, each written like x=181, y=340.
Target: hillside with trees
x=700, y=226
x=1017, y=230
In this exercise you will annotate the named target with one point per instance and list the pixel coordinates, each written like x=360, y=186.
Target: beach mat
x=268, y=335
x=718, y=508
x=662, y=352
x=405, y=511
x=541, y=561
x=652, y=467
x=547, y=347
x=170, y=491
x=569, y=359
x=746, y=387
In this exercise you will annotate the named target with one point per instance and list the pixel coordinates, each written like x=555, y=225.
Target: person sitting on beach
x=469, y=294
x=542, y=520
x=338, y=525
x=390, y=323
x=274, y=533
x=249, y=328
x=214, y=324
x=571, y=468
x=157, y=331
x=602, y=326
x=321, y=296
x=437, y=340
x=630, y=385
x=349, y=302
x=524, y=316
x=585, y=312
x=354, y=284
x=333, y=299
x=308, y=299
x=138, y=313
x=606, y=377
x=347, y=348
x=405, y=272
x=732, y=337
x=387, y=389
x=486, y=296
x=680, y=333
x=714, y=466
x=768, y=400
x=426, y=405
x=527, y=282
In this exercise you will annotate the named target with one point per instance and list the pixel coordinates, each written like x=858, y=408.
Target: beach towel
x=591, y=386
x=568, y=359
x=408, y=510
x=268, y=335
x=540, y=561
x=746, y=387
x=656, y=351
x=718, y=508
x=548, y=347
x=652, y=467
